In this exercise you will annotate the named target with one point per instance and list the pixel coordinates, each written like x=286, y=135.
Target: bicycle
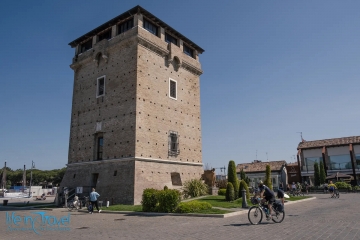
x=297, y=193
x=256, y=212
x=71, y=205
x=335, y=194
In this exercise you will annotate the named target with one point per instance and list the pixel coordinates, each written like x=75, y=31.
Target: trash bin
x=5, y=202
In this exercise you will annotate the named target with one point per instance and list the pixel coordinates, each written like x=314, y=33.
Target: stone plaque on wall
x=176, y=179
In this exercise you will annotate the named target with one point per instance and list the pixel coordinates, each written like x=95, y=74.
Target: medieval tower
x=135, y=119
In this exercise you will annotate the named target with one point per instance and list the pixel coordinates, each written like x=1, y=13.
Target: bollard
x=244, y=203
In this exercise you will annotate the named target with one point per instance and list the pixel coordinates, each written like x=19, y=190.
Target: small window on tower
x=100, y=144
x=173, y=143
x=188, y=51
x=105, y=35
x=100, y=91
x=170, y=39
x=150, y=27
x=123, y=27
x=172, y=89
x=86, y=45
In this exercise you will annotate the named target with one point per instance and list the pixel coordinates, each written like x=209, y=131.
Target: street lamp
x=32, y=166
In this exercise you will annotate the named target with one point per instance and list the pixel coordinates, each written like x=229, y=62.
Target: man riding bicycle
x=332, y=188
x=267, y=195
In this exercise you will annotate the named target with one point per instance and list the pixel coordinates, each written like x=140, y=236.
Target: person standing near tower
x=93, y=199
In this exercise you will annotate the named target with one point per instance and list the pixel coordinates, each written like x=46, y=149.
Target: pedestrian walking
x=93, y=199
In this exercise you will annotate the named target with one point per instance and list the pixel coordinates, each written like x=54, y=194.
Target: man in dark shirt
x=266, y=194
x=280, y=195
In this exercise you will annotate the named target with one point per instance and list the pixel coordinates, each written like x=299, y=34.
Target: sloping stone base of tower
x=122, y=181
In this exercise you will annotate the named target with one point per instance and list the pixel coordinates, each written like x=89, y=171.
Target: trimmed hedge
x=149, y=200
x=222, y=192
x=160, y=200
x=230, y=193
x=168, y=200
x=193, y=206
x=243, y=185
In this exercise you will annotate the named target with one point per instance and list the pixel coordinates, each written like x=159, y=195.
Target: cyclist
x=306, y=187
x=332, y=188
x=280, y=195
x=267, y=196
x=298, y=187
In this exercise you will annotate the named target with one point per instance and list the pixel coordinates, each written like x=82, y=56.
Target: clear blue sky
x=271, y=69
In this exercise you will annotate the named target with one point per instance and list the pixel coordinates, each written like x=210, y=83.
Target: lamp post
x=32, y=166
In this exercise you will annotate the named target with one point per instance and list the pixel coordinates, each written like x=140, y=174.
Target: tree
x=232, y=178
x=267, y=181
x=322, y=173
x=244, y=177
x=230, y=194
x=316, y=174
x=242, y=174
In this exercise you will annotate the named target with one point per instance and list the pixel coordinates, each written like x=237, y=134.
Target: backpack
x=278, y=206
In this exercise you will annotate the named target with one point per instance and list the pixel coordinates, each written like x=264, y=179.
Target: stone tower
x=135, y=120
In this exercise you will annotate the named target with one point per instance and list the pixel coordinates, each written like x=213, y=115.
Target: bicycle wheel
x=71, y=206
x=255, y=215
x=277, y=217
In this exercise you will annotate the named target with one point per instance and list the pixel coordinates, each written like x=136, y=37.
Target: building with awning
x=339, y=156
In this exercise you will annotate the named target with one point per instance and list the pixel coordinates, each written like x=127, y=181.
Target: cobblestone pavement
x=322, y=218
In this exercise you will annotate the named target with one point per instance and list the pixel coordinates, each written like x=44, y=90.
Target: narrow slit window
x=100, y=145
x=173, y=89
x=174, y=149
x=100, y=86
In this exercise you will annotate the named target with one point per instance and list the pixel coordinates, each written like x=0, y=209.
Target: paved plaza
x=321, y=218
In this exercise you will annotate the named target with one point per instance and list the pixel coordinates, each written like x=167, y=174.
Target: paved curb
x=302, y=200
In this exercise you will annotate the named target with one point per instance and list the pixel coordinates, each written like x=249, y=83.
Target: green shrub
x=342, y=185
x=232, y=177
x=230, y=194
x=194, y=188
x=168, y=200
x=267, y=181
x=149, y=200
x=193, y=206
x=243, y=185
x=166, y=187
x=222, y=192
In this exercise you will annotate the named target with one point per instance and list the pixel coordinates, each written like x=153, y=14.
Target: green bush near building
x=160, y=200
